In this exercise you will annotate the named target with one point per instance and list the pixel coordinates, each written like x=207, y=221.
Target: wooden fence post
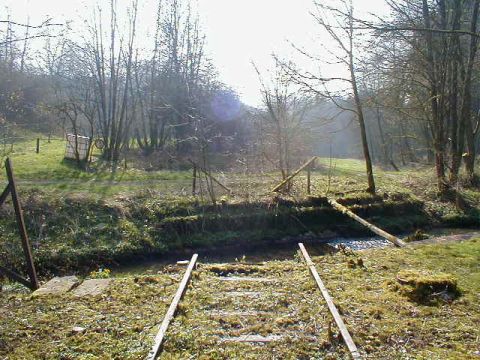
x=308, y=179
x=207, y=173
x=38, y=145
x=194, y=181
x=21, y=226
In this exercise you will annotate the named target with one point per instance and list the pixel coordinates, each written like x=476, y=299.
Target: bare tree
x=282, y=120
x=441, y=44
x=340, y=26
x=172, y=79
x=111, y=61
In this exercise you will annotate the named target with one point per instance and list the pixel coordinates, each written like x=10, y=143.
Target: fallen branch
x=395, y=240
x=282, y=184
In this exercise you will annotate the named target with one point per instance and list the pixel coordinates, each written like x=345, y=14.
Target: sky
x=238, y=32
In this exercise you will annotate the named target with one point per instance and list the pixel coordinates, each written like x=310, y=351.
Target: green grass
x=119, y=323
x=73, y=232
x=49, y=171
x=50, y=165
x=386, y=323
x=78, y=221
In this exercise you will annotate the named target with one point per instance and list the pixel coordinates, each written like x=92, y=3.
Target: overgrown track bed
x=253, y=311
x=384, y=320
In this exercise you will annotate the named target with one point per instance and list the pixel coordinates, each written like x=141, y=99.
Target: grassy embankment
x=385, y=320
x=80, y=220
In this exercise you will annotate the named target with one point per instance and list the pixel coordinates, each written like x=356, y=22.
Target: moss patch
x=118, y=324
x=385, y=323
x=425, y=287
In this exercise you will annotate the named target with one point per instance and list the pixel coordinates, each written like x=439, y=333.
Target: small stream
x=282, y=250
x=360, y=243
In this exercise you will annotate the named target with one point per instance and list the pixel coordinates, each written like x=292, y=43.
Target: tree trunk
x=361, y=121
x=469, y=159
x=359, y=109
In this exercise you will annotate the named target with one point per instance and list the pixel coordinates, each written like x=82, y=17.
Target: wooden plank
x=246, y=313
x=243, y=278
x=395, y=240
x=157, y=346
x=252, y=338
x=282, y=184
x=244, y=293
x=331, y=306
x=21, y=226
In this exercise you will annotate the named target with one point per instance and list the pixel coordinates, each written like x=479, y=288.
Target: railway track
x=269, y=310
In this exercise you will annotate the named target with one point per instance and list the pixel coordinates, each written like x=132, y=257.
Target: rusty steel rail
x=347, y=338
x=157, y=346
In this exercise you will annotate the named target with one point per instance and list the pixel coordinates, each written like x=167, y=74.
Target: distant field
x=50, y=172
x=49, y=164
